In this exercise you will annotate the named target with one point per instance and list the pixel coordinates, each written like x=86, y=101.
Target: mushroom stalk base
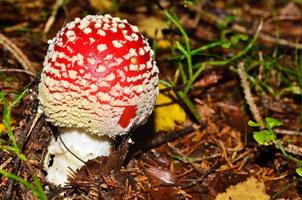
x=59, y=161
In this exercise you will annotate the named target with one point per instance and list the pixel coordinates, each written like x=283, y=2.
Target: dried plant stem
x=268, y=38
x=215, y=19
x=17, y=70
x=5, y=163
x=53, y=15
x=248, y=95
x=34, y=122
x=16, y=52
x=287, y=132
x=293, y=149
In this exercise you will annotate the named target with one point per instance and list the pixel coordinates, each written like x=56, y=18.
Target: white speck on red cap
x=98, y=75
x=117, y=44
x=100, y=69
x=134, y=36
x=101, y=32
x=98, y=25
x=87, y=30
x=102, y=47
x=108, y=57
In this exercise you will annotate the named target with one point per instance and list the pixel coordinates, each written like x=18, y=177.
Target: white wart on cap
x=99, y=76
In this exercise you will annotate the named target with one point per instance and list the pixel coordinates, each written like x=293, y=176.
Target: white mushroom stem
x=83, y=146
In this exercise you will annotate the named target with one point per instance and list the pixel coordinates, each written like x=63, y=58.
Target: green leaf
x=299, y=171
x=181, y=48
x=264, y=137
x=39, y=188
x=271, y=122
x=19, y=97
x=189, y=105
x=229, y=18
x=236, y=38
x=253, y=124
x=21, y=156
x=225, y=44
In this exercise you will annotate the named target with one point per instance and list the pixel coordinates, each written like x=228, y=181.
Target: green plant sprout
x=12, y=146
x=192, y=71
x=268, y=136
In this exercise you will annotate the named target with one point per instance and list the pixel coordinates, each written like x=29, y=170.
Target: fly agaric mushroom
x=99, y=80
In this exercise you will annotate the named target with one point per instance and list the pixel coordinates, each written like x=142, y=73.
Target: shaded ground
x=194, y=161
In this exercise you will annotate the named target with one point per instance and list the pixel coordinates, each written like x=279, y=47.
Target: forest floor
x=233, y=130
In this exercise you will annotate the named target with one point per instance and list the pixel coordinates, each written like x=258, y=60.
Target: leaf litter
x=210, y=162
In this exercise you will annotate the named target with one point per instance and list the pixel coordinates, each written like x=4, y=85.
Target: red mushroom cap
x=98, y=75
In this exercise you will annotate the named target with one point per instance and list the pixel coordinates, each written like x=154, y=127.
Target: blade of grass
x=239, y=54
x=180, y=67
x=188, y=55
x=196, y=75
x=7, y=108
x=37, y=192
x=190, y=106
x=39, y=189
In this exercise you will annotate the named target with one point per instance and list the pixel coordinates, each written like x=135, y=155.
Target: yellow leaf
x=2, y=128
x=167, y=113
x=101, y=5
x=250, y=189
x=163, y=44
x=152, y=26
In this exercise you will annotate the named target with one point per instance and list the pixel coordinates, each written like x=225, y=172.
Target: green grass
x=190, y=71
x=37, y=189
x=12, y=146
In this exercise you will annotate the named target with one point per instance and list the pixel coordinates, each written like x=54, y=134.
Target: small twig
x=204, y=175
x=184, y=158
x=18, y=70
x=261, y=67
x=9, y=191
x=254, y=11
x=33, y=124
x=287, y=132
x=3, y=165
x=52, y=17
x=293, y=149
x=224, y=153
x=198, y=15
x=162, y=139
x=267, y=37
x=17, y=53
x=248, y=94
x=212, y=18
x=286, y=18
